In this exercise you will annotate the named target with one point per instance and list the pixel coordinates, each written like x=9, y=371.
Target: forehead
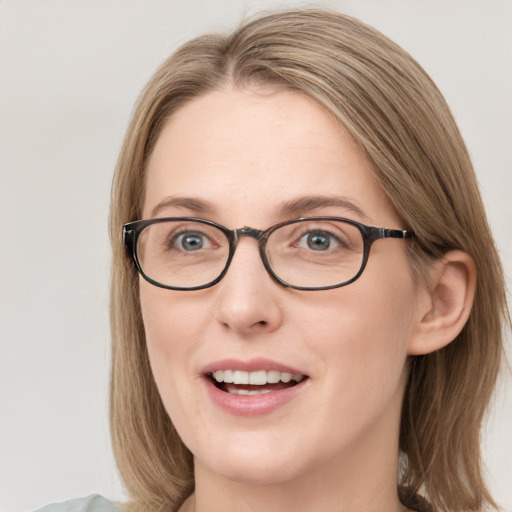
x=247, y=150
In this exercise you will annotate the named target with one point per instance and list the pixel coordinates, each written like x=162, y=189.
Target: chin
x=253, y=472
x=257, y=462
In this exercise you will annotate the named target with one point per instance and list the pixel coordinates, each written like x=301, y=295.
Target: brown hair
x=404, y=127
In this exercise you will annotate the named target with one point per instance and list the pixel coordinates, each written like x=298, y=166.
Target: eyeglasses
x=315, y=253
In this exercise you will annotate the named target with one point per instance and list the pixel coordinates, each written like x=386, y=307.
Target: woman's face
x=250, y=158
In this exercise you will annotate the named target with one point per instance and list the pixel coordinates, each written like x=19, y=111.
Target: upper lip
x=251, y=365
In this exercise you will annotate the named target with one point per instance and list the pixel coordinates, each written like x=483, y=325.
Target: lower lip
x=253, y=405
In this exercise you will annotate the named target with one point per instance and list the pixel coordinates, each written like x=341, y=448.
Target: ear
x=444, y=308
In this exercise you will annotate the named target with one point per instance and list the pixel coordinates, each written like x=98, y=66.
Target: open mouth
x=239, y=382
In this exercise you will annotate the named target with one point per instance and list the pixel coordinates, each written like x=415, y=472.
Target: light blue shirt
x=93, y=503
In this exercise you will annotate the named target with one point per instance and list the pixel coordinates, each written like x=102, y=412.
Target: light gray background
x=69, y=74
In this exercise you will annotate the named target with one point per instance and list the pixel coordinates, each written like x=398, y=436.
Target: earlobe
x=444, y=308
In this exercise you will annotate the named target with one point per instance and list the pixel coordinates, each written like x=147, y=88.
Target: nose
x=248, y=298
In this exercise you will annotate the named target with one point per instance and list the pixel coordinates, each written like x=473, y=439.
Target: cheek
x=364, y=334
x=170, y=320
x=175, y=325
x=173, y=329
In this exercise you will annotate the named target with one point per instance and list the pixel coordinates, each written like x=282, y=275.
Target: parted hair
x=403, y=126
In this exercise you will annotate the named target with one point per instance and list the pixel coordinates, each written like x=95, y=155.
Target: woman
x=307, y=303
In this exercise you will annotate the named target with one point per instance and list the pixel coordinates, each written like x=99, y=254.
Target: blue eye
x=318, y=241
x=190, y=241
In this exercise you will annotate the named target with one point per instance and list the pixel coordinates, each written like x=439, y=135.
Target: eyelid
x=207, y=233
x=302, y=229
x=331, y=234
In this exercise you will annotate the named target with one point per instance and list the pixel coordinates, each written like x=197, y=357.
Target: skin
x=335, y=445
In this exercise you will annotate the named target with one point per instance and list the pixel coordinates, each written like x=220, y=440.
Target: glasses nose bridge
x=257, y=234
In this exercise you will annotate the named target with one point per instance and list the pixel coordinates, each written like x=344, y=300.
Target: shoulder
x=93, y=503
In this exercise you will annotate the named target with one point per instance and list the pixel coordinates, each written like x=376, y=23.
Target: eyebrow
x=287, y=209
x=301, y=205
x=193, y=204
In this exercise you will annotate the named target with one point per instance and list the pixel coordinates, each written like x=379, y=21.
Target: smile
x=240, y=382
x=253, y=387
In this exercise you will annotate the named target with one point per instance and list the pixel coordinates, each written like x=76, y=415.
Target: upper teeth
x=259, y=378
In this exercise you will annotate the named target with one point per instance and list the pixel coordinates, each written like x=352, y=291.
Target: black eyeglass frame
x=132, y=231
